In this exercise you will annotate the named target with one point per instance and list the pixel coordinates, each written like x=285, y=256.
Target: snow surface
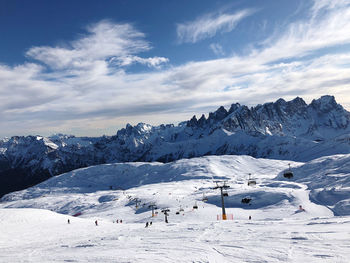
x=278, y=231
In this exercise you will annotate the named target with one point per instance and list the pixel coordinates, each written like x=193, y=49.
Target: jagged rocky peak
x=281, y=102
x=330, y=113
x=234, y=107
x=219, y=114
x=273, y=116
x=325, y=104
x=138, y=129
x=193, y=122
x=298, y=101
x=280, y=109
x=297, y=105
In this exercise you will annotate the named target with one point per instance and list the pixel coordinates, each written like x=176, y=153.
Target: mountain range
x=285, y=130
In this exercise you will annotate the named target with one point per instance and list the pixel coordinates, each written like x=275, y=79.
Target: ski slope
x=31, y=235
x=277, y=232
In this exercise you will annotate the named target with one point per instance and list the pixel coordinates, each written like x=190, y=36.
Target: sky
x=90, y=67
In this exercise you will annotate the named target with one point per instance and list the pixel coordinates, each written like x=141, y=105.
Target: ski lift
x=224, y=194
x=204, y=199
x=251, y=181
x=246, y=200
x=288, y=174
x=195, y=206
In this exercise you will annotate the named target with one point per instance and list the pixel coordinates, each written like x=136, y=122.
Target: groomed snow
x=277, y=232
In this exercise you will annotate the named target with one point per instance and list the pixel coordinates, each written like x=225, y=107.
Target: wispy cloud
x=326, y=27
x=207, y=26
x=217, y=49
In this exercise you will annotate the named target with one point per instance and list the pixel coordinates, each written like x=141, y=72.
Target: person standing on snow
x=96, y=223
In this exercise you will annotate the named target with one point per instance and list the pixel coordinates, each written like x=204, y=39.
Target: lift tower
x=137, y=202
x=223, y=193
x=152, y=206
x=165, y=211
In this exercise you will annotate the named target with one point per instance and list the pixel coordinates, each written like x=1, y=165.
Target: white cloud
x=154, y=62
x=95, y=92
x=324, y=5
x=105, y=40
x=207, y=26
x=321, y=30
x=217, y=49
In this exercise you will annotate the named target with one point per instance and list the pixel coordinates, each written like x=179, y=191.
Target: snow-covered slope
x=328, y=179
x=31, y=235
x=278, y=231
x=187, y=181
x=285, y=130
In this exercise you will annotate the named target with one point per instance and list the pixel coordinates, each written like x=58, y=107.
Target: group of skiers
x=96, y=222
x=117, y=221
x=148, y=224
x=301, y=209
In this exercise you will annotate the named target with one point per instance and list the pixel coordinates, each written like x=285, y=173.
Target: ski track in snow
x=278, y=231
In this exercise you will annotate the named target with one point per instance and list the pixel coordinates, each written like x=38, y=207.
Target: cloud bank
x=85, y=88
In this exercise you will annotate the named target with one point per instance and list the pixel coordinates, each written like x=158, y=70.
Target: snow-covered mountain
x=289, y=130
x=321, y=185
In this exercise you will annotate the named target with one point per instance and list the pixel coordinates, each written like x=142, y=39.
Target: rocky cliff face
x=280, y=130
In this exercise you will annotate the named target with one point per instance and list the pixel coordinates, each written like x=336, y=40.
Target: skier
x=96, y=223
x=68, y=221
x=117, y=221
x=146, y=224
x=121, y=221
x=250, y=217
x=150, y=223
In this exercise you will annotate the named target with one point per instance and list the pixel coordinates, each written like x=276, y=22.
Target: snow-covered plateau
x=34, y=222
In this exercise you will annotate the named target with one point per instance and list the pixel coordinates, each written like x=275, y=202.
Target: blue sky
x=90, y=67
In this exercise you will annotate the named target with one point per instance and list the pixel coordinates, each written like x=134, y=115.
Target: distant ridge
x=287, y=130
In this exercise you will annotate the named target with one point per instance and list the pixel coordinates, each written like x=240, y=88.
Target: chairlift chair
x=204, y=199
x=224, y=194
x=251, y=181
x=288, y=174
x=246, y=200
